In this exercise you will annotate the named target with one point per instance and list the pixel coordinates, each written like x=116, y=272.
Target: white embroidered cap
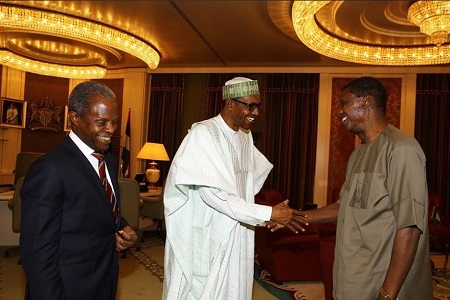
x=239, y=87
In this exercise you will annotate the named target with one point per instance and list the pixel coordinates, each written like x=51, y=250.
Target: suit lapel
x=80, y=162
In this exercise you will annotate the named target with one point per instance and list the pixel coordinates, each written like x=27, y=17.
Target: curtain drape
x=432, y=130
x=290, y=134
x=165, y=120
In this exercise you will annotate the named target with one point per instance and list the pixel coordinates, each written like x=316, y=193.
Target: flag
x=435, y=216
x=126, y=150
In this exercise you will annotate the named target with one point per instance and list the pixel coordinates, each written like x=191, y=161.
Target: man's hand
x=125, y=238
x=273, y=226
x=284, y=216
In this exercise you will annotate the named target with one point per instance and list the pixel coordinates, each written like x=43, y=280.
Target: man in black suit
x=70, y=234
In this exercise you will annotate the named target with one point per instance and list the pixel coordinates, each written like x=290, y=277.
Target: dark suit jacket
x=67, y=242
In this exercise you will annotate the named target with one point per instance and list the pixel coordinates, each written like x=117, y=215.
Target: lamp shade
x=153, y=151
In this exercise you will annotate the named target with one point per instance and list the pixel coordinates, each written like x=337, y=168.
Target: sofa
x=327, y=236
x=285, y=255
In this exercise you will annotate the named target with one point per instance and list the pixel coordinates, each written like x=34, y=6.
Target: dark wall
x=50, y=93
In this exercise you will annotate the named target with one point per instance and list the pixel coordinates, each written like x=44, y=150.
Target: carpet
x=12, y=279
x=314, y=291
x=151, y=249
x=136, y=282
x=151, y=257
x=283, y=292
x=296, y=290
x=140, y=275
x=441, y=289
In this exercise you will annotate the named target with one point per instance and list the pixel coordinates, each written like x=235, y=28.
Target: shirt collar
x=87, y=151
x=225, y=126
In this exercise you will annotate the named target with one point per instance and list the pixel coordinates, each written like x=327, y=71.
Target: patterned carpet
x=441, y=289
x=441, y=286
x=145, y=257
x=283, y=292
x=151, y=257
x=289, y=291
x=296, y=291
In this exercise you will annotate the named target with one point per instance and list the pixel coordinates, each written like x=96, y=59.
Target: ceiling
x=220, y=34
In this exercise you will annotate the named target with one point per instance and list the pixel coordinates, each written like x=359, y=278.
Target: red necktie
x=108, y=189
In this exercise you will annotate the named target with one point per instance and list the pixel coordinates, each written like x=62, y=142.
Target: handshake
x=284, y=216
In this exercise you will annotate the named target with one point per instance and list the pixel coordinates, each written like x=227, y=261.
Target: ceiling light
x=433, y=18
x=61, y=25
x=321, y=42
x=15, y=61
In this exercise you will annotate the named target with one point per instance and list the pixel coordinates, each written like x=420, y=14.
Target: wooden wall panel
x=44, y=91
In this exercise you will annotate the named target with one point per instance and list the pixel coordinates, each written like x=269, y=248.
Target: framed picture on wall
x=67, y=124
x=13, y=112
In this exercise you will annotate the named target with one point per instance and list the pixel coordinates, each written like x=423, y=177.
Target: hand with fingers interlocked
x=284, y=216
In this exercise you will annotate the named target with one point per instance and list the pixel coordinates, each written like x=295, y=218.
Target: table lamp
x=153, y=151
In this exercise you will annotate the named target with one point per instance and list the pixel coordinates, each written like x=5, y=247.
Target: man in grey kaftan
x=380, y=197
x=381, y=247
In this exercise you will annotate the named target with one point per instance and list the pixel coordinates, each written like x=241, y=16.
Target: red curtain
x=432, y=130
x=290, y=134
x=166, y=114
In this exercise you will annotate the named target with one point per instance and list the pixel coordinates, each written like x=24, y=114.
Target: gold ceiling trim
x=385, y=31
x=61, y=25
x=319, y=41
x=35, y=49
x=15, y=61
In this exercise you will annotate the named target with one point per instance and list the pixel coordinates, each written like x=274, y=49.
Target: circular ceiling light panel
x=342, y=45
x=56, y=47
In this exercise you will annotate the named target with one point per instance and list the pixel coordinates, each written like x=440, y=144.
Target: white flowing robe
x=210, y=213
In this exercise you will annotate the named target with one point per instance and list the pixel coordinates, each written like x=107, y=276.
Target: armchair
x=327, y=234
x=23, y=162
x=439, y=228
x=153, y=207
x=285, y=255
x=15, y=206
x=129, y=205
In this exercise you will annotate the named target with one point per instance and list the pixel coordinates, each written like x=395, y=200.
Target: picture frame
x=13, y=112
x=67, y=124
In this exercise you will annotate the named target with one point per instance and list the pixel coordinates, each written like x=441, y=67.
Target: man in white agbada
x=209, y=203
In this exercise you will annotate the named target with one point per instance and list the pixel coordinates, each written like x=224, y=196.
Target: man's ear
x=367, y=102
x=73, y=117
x=229, y=104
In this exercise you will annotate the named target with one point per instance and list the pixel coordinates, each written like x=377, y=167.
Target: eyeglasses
x=251, y=106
